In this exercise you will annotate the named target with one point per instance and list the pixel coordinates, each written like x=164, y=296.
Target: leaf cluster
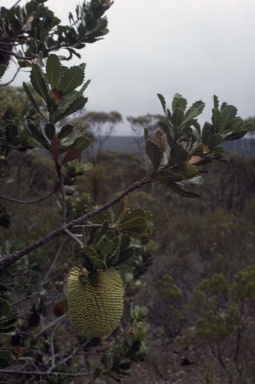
x=57, y=88
x=115, y=236
x=180, y=145
x=26, y=31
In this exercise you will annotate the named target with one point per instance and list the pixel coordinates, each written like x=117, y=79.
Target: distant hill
x=242, y=147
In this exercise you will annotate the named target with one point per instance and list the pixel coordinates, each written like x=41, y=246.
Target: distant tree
x=101, y=125
x=137, y=126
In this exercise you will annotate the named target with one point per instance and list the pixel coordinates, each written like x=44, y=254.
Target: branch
x=12, y=79
x=58, y=320
x=75, y=238
x=13, y=257
x=38, y=373
x=63, y=194
x=27, y=202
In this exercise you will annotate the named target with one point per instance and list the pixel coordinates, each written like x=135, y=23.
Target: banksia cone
x=95, y=301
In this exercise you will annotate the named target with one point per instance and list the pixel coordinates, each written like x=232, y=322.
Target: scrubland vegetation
x=162, y=239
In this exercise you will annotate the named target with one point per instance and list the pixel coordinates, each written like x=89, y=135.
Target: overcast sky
x=196, y=48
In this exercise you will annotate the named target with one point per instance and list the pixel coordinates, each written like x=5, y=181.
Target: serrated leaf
x=214, y=140
x=179, y=103
x=125, y=257
x=2, y=70
x=38, y=81
x=65, y=131
x=183, y=192
x=177, y=117
x=135, y=223
x=227, y=115
x=162, y=101
x=195, y=110
x=32, y=100
x=154, y=153
x=178, y=155
x=166, y=177
x=50, y=131
x=67, y=107
x=53, y=70
x=101, y=217
x=5, y=307
x=91, y=253
x=216, y=118
x=6, y=358
x=81, y=143
x=119, y=211
x=86, y=262
x=236, y=135
x=188, y=171
x=216, y=102
x=37, y=135
x=72, y=79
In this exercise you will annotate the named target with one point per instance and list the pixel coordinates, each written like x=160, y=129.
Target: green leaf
x=214, y=140
x=186, y=170
x=216, y=102
x=91, y=253
x=37, y=135
x=162, y=101
x=236, y=135
x=5, y=307
x=166, y=177
x=195, y=110
x=53, y=70
x=72, y=79
x=38, y=81
x=85, y=260
x=68, y=107
x=135, y=223
x=101, y=217
x=179, y=102
x=81, y=143
x=2, y=70
x=207, y=132
x=183, y=192
x=177, y=117
x=178, y=155
x=154, y=153
x=227, y=115
x=216, y=118
x=119, y=211
x=65, y=131
x=6, y=358
x=32, y=100
x=50, y=131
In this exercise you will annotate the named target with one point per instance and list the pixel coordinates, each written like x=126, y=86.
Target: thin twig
x=63, y=193
x=45, y=280
x=12, y=79
x=15, y=5
x=38, y=373
x=55, y=322
x=27, y=202
x=13, y=257
x=75, y=238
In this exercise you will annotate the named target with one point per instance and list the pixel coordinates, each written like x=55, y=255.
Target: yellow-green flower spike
x=95, y=301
